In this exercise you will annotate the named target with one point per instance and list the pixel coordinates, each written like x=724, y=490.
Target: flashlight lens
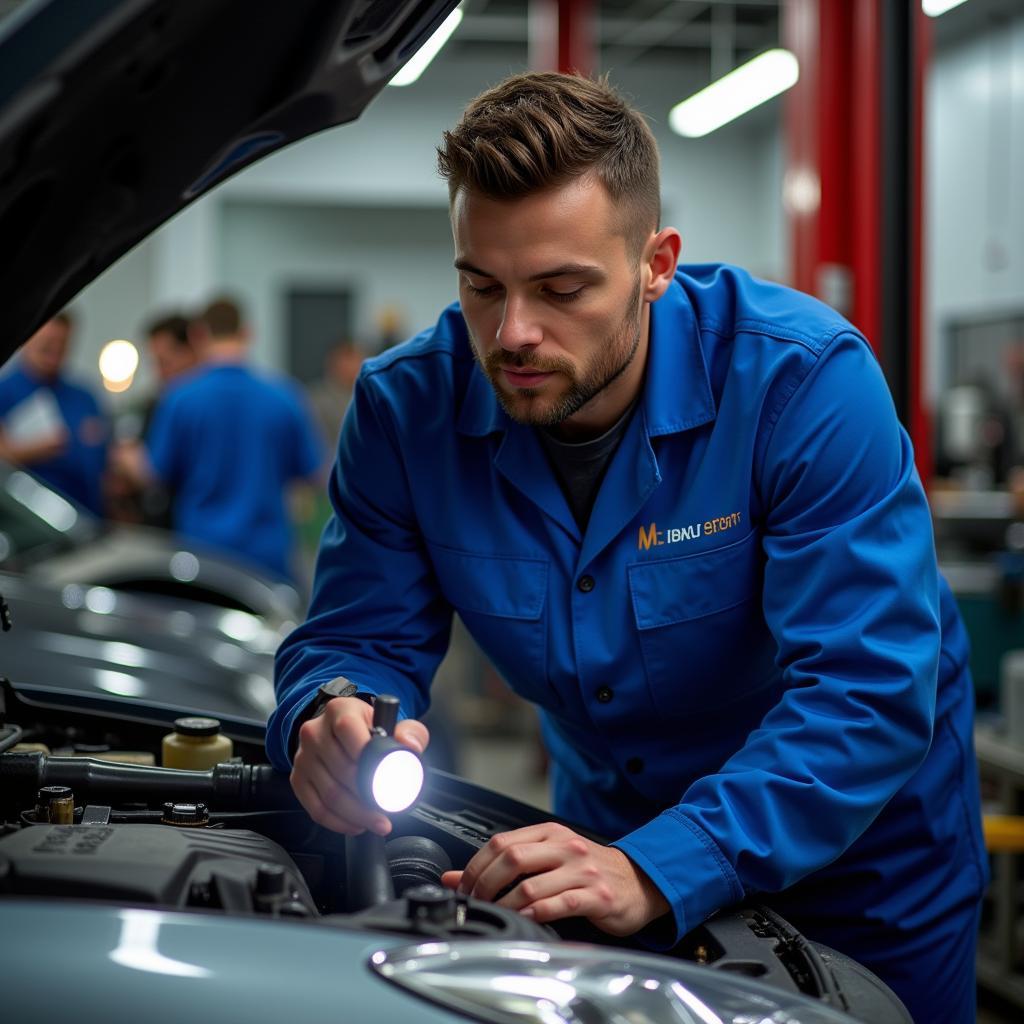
x=397, y=781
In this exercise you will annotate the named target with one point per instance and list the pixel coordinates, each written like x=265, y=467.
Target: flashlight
x=389, y=775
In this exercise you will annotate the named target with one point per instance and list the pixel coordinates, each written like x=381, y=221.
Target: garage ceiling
x=714, y=33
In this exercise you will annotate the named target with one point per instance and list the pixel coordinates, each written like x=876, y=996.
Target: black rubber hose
x=10, y=736
x=225, y=787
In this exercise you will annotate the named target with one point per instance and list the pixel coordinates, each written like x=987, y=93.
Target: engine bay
x=87, y=814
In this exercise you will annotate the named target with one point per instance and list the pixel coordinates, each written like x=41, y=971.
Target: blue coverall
x=78, y=470
x=229, y=440
x=749, y=669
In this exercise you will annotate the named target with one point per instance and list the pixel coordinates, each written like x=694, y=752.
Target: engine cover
x=235, y=870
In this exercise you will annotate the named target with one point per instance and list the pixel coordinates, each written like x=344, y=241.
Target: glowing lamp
x=389, y=775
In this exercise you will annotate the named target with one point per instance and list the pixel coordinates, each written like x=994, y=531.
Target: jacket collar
x=677, y=390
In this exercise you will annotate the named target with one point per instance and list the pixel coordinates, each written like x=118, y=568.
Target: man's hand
x=27, y=453
x=568, y=876
x=324, y=770
x=129, y=459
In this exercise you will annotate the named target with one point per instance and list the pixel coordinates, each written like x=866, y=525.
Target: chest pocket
x=502, y=601
x=704, y=640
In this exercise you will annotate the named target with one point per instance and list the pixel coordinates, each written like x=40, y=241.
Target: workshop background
x=886, y=180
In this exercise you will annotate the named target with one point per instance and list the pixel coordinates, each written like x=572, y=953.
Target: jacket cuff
x=294, y=719
x=685, y=863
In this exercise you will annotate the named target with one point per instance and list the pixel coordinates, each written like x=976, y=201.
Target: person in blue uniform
x=677, y=510
x=229, y=441
x=51, y=424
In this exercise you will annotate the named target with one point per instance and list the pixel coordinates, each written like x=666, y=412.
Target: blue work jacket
x=749, y=672
x=78, y=470
x=229, y=440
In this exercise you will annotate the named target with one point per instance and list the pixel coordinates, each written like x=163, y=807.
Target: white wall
x=975, y=184
x=386, y=255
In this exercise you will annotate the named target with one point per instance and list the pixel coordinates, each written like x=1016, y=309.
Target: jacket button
x=605, y=694
x=586, y=584
x=635, y=765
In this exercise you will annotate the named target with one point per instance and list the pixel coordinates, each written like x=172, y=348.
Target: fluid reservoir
x=195, y=744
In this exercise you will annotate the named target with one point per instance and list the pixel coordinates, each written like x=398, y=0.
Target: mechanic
x=229, y=441
x=50, y=423
x=678, y=512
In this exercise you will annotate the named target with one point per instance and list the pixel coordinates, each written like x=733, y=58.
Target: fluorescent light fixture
x=749, y=86
x=428, y=51
x=933, y=8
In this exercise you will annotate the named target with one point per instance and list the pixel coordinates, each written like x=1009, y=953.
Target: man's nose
x=518, y=328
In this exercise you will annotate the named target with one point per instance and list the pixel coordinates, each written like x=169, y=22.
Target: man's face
x=44, y=353
x=552, y=298
x=170, y=357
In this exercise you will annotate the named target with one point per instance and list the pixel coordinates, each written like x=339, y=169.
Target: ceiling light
x=428, y=51
x=933, y=8
x=741, y=90
x=118, y=362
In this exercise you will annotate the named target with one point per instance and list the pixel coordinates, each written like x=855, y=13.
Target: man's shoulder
x=435, y=359
x=15, y=384
x=728, y=300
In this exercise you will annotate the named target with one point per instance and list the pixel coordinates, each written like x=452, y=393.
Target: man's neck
x=226, y=351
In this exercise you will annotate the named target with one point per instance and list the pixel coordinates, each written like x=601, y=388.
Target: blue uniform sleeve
x=377, y=615
x=851, y=597
x=163, y=447
x=308, y=452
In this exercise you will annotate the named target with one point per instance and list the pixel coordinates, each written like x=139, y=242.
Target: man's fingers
x=334, y=796
x=350, y=730
x=481, y=860
x=451, y=879
x=513, y=863
x=571, y=903
x=413, y=734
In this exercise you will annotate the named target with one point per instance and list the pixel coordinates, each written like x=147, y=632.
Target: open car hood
x=116, y=114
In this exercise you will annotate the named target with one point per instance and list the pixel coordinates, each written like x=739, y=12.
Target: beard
x=610, y=360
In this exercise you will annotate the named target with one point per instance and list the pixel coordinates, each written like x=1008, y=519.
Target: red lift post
x=853, y=127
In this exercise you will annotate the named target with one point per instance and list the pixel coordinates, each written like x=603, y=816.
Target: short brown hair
x=541, y=130
x=222, y=318
x=174, y=325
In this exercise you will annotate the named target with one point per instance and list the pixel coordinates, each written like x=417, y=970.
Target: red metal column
x=562, y=36
x=866, y=195
x=820, y=158
x=920, y=414
x=836, y=191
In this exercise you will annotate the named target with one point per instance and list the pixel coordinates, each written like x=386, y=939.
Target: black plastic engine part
x=146, y=864
x=437, y=913
x=225, y=787
x=415, y=861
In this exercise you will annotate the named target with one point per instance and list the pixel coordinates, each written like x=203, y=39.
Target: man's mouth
x=524, y=376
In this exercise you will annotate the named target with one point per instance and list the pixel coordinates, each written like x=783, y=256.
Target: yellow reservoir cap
x=196, y=744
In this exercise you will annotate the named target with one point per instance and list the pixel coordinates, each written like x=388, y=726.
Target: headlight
x=530, y=983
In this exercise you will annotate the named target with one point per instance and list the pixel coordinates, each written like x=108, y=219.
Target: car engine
x=87, y=814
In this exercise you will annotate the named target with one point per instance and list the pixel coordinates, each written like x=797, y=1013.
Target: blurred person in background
x=330, y=396
x=49, y=423
x=229, y=441
x=171, y=354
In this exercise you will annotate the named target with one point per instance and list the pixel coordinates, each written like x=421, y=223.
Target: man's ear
x=661, y=254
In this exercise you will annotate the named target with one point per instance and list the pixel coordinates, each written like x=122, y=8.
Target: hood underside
x=116, y=114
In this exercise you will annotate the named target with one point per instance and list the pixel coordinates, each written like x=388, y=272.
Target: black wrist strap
x=339, y=687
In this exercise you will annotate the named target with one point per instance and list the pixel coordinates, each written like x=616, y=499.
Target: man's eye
x=489, y=289
x=564, y=296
